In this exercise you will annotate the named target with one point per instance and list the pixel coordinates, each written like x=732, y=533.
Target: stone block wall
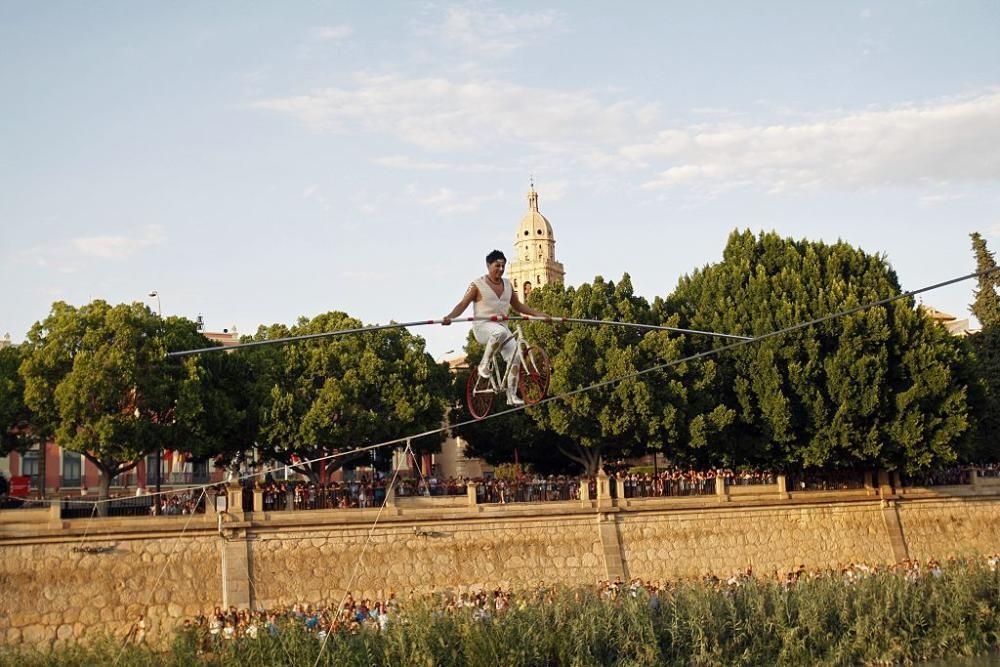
x=53, y=591
x=316, y=566
x=669, y=545
x=83, y=578
x=947, y=527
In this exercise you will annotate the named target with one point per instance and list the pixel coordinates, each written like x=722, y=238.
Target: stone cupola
x=534, y=262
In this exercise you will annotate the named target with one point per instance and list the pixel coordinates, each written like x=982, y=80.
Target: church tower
x=535, y=262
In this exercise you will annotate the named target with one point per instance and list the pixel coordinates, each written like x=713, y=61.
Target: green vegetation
x=882, y=618
x=881, y=388
x=96, y=380
x=334, y=394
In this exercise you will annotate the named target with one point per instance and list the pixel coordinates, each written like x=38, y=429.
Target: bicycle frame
x=499, y=382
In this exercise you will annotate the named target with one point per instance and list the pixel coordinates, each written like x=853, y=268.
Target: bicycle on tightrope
x=533, y=369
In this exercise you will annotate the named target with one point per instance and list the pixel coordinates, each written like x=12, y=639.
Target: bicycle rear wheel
x=533, y=376
x=479, y=394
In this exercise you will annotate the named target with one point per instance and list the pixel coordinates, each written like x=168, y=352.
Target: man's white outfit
x=490, y=334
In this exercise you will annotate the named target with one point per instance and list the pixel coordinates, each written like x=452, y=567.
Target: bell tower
x=534, y=262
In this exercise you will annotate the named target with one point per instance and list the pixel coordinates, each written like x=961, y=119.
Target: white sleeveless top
x=490, y=304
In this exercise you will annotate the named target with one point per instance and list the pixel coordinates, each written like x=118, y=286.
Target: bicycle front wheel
x=534, y=375
x=479, y=394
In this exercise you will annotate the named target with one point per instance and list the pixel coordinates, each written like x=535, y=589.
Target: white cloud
x=934, y=144
x=446, y=202
x=479, y=28
x=995, y=230
x=937, y=144
x=118, y=247
x=69, y=256
x=411, y=164
x=935, y=199
x=333, y=32
x=439, y=114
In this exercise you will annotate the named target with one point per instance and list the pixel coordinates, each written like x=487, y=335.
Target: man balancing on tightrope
x=493, y=295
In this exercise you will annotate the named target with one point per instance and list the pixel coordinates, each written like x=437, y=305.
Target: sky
x=257, y=162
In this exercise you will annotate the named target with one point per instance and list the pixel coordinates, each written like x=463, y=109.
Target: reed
x=883, y=618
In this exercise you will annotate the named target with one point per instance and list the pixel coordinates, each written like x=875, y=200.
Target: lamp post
x=159, y=452
x=159, y=311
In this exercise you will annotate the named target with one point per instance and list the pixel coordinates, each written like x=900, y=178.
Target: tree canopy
x=97, y=381
x=329, y=395
x=986, y=306
x=626, y=417
x=876, y=388
x=15, y=417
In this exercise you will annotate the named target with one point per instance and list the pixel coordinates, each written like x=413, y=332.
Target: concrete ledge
x=752, y=490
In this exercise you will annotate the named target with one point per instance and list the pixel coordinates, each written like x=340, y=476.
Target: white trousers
x=489, y=334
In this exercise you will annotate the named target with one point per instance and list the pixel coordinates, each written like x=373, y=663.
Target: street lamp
x=159, y=452
x=159, y=311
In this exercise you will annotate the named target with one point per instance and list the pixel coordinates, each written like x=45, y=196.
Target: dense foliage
x=97, y=381
x=884, y=387
x=986, y=306
x=319, y=397
x=880, y=387
x=15, y=417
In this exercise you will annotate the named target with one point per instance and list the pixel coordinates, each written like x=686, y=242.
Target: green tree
x=97, y=381
x=630, y=414
x=330, y=395
x=986, y=306
x=15, y=417
x=877, y=388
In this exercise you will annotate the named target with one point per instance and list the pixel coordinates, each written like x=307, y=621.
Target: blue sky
x=257, y=162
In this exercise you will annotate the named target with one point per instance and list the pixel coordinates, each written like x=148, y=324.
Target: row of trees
x=884, y=387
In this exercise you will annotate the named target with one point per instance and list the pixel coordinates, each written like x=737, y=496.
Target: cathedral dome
x=533, y=225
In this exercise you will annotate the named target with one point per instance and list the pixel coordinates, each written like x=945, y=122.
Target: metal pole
x=159, y=450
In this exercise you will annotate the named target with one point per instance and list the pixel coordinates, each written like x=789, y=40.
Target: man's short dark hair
x=494, y=256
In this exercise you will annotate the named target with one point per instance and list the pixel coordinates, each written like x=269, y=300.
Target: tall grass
x=883, y=618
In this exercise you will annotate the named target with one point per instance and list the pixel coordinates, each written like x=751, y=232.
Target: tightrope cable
x=420, y=323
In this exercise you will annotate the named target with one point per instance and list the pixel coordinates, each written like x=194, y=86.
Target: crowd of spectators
x=358, y=614
x=191, y=501
x=367, y=492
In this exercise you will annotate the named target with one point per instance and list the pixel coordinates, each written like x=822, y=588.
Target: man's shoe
x=484, y=371
x=514, y=401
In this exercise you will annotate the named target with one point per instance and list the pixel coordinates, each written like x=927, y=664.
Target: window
x=199, y=472
x=29, y=466
x=72, y=469
x=151, y=470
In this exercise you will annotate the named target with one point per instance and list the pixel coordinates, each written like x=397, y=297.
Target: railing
x=276, y=497
x=77, y=508
x=666, y=487
x=799, y=481
x=947, y=477
x=420, y=487
x=502, y=491
x=322, y=497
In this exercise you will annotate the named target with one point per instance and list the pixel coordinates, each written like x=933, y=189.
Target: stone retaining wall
x=73, y=580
